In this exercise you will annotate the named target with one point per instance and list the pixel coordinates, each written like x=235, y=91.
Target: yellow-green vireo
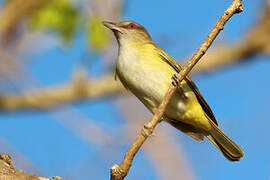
x=147, y=71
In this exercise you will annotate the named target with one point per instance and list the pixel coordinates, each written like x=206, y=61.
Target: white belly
x=149, y=85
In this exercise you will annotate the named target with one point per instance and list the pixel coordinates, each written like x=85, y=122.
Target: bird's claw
x=175, y=80
x=177, y=84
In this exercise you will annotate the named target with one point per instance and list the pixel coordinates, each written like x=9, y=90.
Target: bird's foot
x=179, y=86
x=175, y=80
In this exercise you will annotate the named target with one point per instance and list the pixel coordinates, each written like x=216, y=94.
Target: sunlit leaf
x=58, y=16
x=98, y=35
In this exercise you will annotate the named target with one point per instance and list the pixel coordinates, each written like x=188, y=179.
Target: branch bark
x=9, y=172
x=119, y=172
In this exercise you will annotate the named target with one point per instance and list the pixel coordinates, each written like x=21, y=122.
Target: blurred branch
x=9, y=172
x=255, y=42
x=15, y=10
x=55, y=96
x=9, y=67
x=168, y=157
x=119, y=172
x=83, y=127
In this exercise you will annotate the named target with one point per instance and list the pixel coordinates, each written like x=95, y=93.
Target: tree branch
x=9, y=172
x=16, y=10
x=255, y=42
x=55, y=96
x=120, y=172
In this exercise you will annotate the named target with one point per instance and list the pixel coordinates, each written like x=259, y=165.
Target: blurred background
x=63, y=114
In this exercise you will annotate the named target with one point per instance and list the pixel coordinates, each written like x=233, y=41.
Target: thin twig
x=255, y=42
x=120, y=172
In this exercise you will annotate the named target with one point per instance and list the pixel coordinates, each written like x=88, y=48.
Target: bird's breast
x=146, y=76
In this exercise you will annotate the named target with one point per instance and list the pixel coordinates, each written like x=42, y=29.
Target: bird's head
x=128, y=32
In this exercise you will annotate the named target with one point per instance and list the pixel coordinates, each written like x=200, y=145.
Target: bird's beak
x=112, y=26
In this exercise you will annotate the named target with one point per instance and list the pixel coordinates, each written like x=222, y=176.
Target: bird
x=147, y=71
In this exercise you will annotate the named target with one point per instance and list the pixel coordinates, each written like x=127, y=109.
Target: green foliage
x=98, y=35
x=59, y=16
x=63, y=17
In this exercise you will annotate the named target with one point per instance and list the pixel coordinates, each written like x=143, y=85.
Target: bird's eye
x=131, y=25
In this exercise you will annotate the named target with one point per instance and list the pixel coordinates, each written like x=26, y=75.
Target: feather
x=166, y=57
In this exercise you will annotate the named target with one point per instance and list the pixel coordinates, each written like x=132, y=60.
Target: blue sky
x=238, y=95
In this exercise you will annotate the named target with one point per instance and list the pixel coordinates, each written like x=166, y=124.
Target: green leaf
x=98, y=36
x=58, y=16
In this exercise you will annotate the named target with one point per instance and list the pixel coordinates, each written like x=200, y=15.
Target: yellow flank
x=150, y=59
x=195, y=113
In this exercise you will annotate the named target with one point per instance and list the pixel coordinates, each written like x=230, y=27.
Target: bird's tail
x=224, y=144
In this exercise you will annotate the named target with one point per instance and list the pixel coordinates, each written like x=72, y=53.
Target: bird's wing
x=166, y=57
